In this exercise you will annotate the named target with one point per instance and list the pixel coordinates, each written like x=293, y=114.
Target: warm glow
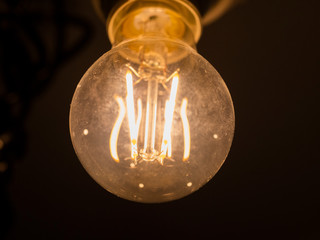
x=146, y=127
x=135, y=110
x=131, y=116
x=116, y=128
x=169, y=147
x=139, y=117
x=169, y=143
x=134, y=124
x=186, y=129
x=154, y=127
x=169, y=117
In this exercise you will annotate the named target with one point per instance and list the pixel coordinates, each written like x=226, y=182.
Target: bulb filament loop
x=149, y=153
x=169, y=109
x=186, y=129
x=116, y=129
x=133, y=126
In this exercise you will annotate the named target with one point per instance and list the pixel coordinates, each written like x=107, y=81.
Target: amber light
x=152, y=120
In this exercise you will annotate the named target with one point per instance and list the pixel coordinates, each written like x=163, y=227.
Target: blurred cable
x=218, y=9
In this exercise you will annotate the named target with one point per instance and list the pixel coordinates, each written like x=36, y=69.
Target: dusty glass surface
x=164, y=154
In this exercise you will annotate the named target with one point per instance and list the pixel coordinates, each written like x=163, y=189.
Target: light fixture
x=152, y=120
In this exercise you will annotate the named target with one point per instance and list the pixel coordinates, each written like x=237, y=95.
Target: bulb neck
x=138, y=19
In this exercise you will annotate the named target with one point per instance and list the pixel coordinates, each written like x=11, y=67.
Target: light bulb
x=152, y=120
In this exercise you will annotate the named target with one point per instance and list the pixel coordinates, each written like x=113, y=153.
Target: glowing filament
x=169, y=147
x=169, y=117
x=186, y=129
x=139, y=117
x=169, y=141
x=146, y=127
x=154, y=127
x=116, y=128
x=134, y=123
x=131, y=116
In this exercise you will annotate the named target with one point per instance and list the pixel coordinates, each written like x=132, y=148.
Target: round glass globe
x=151, y=165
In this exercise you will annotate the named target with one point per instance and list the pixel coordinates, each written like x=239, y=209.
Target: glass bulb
x=151, y=120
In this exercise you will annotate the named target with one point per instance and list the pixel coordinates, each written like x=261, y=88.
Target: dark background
x=268, y=54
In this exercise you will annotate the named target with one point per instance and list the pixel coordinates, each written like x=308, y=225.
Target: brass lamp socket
x=136, y=19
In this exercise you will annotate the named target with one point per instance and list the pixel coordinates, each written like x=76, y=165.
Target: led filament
x=149, y=152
